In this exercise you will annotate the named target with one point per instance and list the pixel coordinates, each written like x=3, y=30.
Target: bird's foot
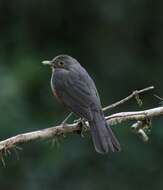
x=82, y=125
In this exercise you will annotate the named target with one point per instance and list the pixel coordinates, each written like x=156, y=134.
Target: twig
x=135, y=93
x=158, y=97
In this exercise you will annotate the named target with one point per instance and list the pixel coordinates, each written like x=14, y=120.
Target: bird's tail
x=103, y=137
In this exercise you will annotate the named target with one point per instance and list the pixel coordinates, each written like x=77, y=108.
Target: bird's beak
x=46, y=62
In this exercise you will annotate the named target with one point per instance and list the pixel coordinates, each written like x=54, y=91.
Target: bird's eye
x=60, y=63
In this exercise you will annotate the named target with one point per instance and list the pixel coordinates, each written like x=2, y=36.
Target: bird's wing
x=84, y=88
x=77, y=94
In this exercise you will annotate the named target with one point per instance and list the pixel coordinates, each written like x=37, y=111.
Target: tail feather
x=115, y=142
x=101, y=145
x=104, y=139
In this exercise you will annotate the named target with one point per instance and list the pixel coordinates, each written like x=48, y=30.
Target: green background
x=120, y=43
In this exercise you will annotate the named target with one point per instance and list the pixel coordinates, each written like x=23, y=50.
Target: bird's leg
x=66, y=119
x=63, y=124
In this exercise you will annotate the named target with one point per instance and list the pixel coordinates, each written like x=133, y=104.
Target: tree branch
x=60, y=130
x=70, y=128
x=137, y=115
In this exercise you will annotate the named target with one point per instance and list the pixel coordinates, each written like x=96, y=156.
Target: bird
x=74, y=88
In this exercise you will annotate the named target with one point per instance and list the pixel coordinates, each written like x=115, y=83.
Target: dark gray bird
x=73, y=86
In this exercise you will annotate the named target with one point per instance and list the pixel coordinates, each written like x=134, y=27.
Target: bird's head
x=61, y=62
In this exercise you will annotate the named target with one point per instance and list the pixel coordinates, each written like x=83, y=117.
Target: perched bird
x=73, y=86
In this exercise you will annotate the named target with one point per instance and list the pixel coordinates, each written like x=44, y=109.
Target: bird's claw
x=82, y=125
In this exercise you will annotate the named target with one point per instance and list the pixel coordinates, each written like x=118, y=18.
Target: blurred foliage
x=120, y=43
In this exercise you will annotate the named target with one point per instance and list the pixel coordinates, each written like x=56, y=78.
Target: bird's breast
x=51, y=83
x=55, y=91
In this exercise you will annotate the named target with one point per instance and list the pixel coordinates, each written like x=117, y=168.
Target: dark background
x=120, y=43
